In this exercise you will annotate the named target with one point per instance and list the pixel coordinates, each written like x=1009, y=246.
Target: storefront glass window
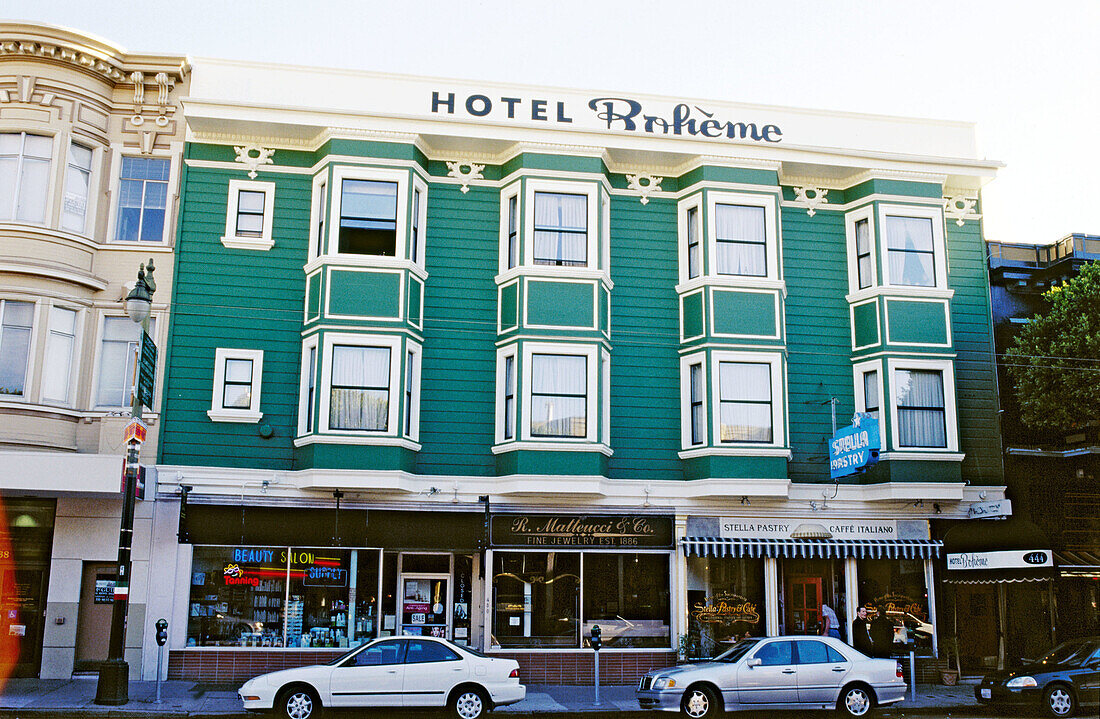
x=364, y=622
x=317, y=604
x=897, y=585
x=725, y=603
x=463, y=588
x=237, y=596
x=536, y=599
x=627, y=595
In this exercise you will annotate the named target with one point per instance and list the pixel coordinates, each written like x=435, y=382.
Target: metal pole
x=913, y=675
x=160, y=656
x=597, y=676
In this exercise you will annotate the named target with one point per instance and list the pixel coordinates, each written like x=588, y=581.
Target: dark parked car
x=1067, y=678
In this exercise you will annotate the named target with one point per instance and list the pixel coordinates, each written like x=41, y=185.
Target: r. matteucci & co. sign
x=585, y=530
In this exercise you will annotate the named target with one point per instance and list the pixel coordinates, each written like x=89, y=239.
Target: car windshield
x=737, y=651
x=345, y=655
x=1069, y=653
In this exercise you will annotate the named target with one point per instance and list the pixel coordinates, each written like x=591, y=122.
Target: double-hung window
x=864, y=259
x=360, y=388
x=745, y=402
x=249, y=216
x=922, y=419
x=509, y=404
x=142, y=199
x=910, y=251
x=694, y=249
x=697, y=409
x=238, y=374
x=368, y=217
x=871, y=393
x=740, y=240
x=78, y=179
x=559, y=394
x=560, y=229
x=414, y=238
x=513, y=231
x=24, y=176
x=60, y=344
x=16, y=320
x=117, y=353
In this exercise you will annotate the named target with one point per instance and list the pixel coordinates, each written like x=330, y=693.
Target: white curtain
x=558, y=395
x=15, y=341
x=59, y=354
x=863, y=253
x=745, y=391
x=870, y=393
x=360, y=388
x=921, y=417
x=909, y=240
x=740, y=240
x=561, y=223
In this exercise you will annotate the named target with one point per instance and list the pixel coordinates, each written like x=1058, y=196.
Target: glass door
x=425, y=605
x=804, y=605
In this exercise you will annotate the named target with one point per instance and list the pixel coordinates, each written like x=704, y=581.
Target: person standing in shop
x=830, y=625
x=882, y=633
x=861, y=636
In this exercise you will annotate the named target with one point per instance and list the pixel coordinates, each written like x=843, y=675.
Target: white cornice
x=84, y=52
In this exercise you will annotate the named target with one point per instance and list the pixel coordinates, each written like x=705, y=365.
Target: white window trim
x=591, y=191
x=217, y=413
x=316, y=208
x=850, y=220
x=592, y=419
x=336, y=197
x=417, y=352
x=117, y=153
x=605, y=230
x=771, y=234
x=686, y=362
x=858, y=370
x=397, y=368
x=949, y=404
x=230, y=238
x=507, y=194
x=605, y=396
x=74, y=360
x=421, y=222
x=939, y=247
x=308, y=343
x=502, y=354
x=778, y=398
x=682, y=208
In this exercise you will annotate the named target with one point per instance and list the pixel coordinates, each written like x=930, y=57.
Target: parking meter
x=162, y=632
x=596, y=641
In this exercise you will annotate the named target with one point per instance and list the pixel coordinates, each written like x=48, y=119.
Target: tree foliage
x=1055, y=362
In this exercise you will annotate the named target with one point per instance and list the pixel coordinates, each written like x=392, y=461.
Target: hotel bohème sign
x=585, y=530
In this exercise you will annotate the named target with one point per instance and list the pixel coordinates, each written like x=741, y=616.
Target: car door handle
x=838, y=669
x=788, y=671
x=391, y=671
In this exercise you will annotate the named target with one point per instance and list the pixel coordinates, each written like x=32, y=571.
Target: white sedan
x=776, y=673
x=391, y=672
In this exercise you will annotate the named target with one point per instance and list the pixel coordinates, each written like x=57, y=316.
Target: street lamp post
x=114, y=674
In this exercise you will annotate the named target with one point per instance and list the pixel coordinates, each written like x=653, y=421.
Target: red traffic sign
x=136, y=431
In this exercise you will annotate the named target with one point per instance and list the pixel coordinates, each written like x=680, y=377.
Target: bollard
x=913, y=674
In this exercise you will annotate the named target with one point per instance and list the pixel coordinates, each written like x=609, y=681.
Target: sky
x=1026, y=73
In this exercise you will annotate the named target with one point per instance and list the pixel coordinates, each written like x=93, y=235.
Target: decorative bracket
x=811, y=197
x=960, y=209
x=472, y=172
x=252, y=161
x=644, y=184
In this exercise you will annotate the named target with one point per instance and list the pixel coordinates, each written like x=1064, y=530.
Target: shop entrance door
x=93, y=620
x=804, y=605
x=22, y=592
x=425, y=605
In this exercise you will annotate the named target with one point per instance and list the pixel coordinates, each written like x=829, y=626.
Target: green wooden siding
x=509, y=306
x=360, y=293
x=691, y=319
x=916, y=322
x=744, y=313
x=560, y=304
x=865, y=321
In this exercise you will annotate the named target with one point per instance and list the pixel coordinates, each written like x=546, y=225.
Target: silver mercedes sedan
x=776, y=673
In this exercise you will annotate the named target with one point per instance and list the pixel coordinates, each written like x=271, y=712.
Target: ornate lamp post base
x=114, y=683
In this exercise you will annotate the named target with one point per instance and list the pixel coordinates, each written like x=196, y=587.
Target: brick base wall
x=224, y=666
x=578, y=668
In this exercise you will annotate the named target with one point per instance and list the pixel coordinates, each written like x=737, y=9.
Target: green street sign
x=147, y=370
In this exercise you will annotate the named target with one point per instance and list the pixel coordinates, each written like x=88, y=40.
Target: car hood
x=681, y=668
x=1028, y=670
x=298, y=674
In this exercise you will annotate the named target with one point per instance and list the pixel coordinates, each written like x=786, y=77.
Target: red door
x=804, y=605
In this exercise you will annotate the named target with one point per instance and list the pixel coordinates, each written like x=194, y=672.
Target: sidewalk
x=74, y=698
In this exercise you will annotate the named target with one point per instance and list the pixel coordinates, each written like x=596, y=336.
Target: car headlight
x=663, y=683
x=1021, y=682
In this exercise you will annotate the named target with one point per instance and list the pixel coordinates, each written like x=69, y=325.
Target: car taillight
x=897, y=665
x=514, y=674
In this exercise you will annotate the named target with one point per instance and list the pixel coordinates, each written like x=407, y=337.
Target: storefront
x=556, y=576
x=277, y=587
x=26, y=538
x=772, y=576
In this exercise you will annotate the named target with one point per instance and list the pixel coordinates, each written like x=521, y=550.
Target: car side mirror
x=754, y=662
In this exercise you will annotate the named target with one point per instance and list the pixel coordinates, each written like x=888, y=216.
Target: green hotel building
x=503, y=363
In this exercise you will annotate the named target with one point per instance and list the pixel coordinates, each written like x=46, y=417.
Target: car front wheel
x=1059, y=701
x=469, y=704
x=699, y=703
x=855, y=702
x=298, y=703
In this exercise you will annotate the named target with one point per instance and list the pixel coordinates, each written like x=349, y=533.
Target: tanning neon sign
x=611, y=113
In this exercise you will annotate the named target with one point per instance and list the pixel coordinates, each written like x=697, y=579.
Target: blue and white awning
x=812, y=548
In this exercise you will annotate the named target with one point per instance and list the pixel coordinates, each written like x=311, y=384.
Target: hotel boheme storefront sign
x=589, y=531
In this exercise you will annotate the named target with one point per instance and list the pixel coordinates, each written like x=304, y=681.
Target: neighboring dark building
x=1051, y=476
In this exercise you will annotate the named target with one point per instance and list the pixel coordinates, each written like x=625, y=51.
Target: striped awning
x=812, y=548
x=1078, y=561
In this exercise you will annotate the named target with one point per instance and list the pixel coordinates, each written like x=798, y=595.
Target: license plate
x=987, y=693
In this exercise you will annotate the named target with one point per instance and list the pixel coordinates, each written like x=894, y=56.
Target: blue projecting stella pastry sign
x=854, y=447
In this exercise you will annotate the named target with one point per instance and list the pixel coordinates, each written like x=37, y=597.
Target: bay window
x=78, y=177
x=561, y=229
x=119, y=343
x=697, y=410
x=920, y=407
x=24, y=176
x=60, y=346
x=740, y=240
x=359, y=391
x=368, y=218
x=142, y=199
x=909, y=248
x=559, y=395
x=16, y=320
x=745, y=402
x=864, y=259
x=694, y=251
